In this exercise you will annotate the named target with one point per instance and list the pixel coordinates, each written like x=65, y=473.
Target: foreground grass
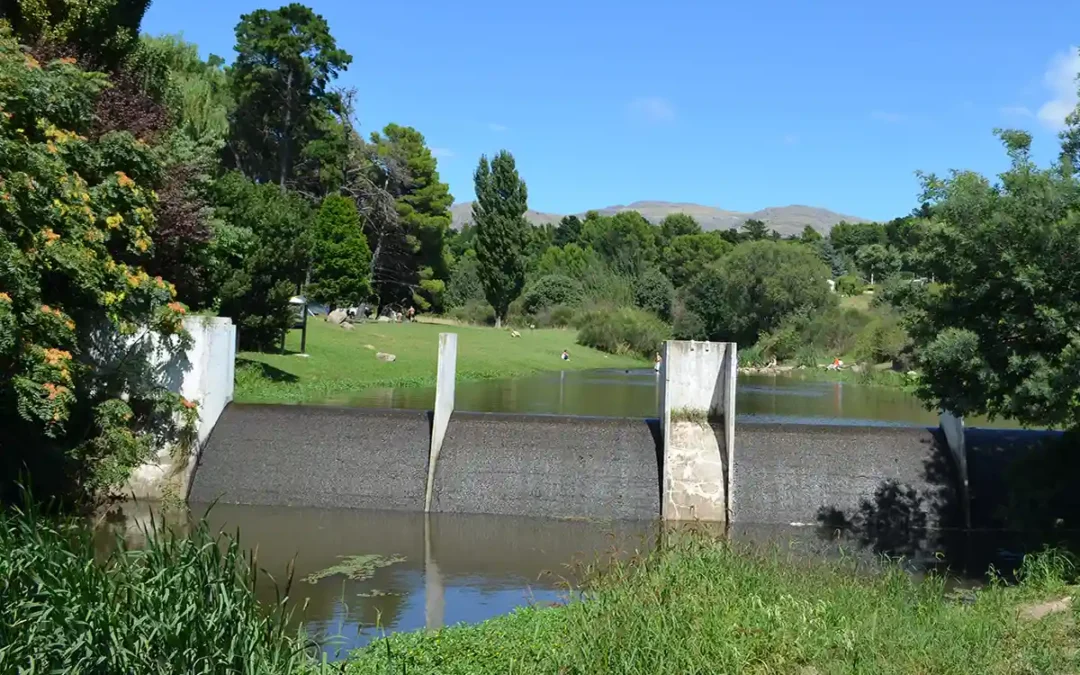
x=341, y=361
x=702, y=607
x=182, y=604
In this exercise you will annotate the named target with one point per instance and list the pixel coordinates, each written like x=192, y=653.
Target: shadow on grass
x=266, y=371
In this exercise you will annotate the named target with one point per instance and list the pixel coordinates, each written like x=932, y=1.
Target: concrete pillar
x=444, y=405
x=697, y=416
x=952, y=427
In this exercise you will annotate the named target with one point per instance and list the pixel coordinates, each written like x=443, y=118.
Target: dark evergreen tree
x=501, y=235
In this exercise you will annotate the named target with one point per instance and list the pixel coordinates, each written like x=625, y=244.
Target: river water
x=454, y=568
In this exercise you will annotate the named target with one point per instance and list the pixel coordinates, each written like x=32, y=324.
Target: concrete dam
x=687, y=464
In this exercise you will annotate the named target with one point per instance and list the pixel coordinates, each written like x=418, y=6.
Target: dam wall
x=316, y=456
x=692, y=463
x=832, y=475
x=552, y=466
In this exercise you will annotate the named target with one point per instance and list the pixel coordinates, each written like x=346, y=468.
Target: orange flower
x=176, y=307
x=123, y=179
x=55, y=357
x=54, y=390
x=190, y=405
x=50, y=236
x=70, y=324
x=133, y=280
x=67, y=60
x=46, y=309
x=4, y=297
x=6, y=197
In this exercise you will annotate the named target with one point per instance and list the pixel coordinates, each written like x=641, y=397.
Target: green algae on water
x=355, y=567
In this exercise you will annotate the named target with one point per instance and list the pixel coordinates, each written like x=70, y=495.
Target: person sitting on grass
x=565, y=355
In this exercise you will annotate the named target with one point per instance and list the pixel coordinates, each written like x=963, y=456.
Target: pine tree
x=501, y=234
x=340, y=254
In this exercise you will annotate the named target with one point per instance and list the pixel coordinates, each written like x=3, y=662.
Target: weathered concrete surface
x=697, y=398
x=812, y=474
x=561, y=467
x=694, y=477
x=316, y=456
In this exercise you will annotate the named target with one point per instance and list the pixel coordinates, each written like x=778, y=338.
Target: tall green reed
x=183, y=603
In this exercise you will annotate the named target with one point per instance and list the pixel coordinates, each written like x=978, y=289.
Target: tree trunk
x=498, y=321
x=286, y=138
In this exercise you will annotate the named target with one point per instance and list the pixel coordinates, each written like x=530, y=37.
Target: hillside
x=785, y=219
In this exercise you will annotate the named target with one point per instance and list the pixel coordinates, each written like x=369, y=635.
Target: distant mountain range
x=784, y=219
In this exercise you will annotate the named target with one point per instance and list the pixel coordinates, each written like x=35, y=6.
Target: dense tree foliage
x=423, y=205
x=272, y=262
x=625, y=241
x=79, y=402
x=340, y=257
x=285, y=61
x=752, y=289
x=501, y=235
x=998, y=334
x=689, y=254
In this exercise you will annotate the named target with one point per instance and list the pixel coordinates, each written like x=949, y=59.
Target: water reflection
x=634, y=393
x=456, y=567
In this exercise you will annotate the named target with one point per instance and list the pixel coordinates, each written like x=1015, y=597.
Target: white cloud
x=497, y=128
x=791, y=139
x=652, y=109
x=1017, y=111
x=1060, y=79
x=442, y=152
x=889, y=117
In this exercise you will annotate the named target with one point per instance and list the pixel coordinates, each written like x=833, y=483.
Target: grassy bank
x=702, y=607
x=183, y=604
x=341, y=361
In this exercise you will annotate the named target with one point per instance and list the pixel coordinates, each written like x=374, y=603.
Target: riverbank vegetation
x=701, y=605
x=341, y=362
x=183, y=603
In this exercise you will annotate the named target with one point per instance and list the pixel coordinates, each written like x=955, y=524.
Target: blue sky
x=737, y=105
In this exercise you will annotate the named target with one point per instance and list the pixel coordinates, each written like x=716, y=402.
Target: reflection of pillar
x=838, y=398
x=434, y=594
x=562, y=381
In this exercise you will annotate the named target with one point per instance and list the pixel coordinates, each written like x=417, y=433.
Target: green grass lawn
x=341, y=361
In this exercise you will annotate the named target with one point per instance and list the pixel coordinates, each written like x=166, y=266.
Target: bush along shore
x=703, y=606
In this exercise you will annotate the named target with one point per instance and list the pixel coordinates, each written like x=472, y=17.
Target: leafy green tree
x=570, y=260
x=552, y=290
x=755, y=229
x=286, y=59
x=501, y=234
x=847, y=238
x=625, y=241
x=540, y=239
x=462, y=241
x=999, y=335
x=196, y=92
x=654, y=292
x=877, y=262
x=423, y=205
x=101, y=33
x=689, y=254
x=810, y=236
x=677, y=225
x=340, y=254
x=272, y=266
x=753, y=288
x=568, y=231
x=80, y=404
x=831, y=257
x=465, y=285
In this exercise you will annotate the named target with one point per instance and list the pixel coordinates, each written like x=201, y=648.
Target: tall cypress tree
x=501, y=234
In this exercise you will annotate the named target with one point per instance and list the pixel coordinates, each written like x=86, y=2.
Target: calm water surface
x=634, y=393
